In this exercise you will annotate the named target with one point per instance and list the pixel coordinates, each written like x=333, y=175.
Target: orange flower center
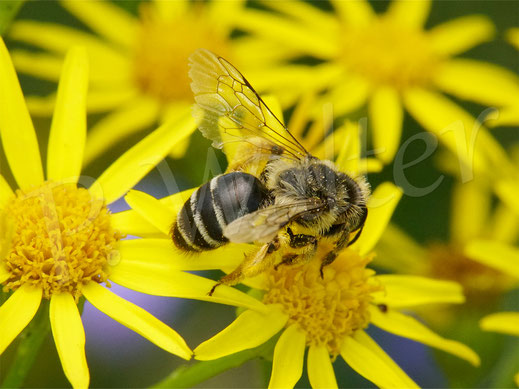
x=56, y=237
x=328, y=309
x=164, y=45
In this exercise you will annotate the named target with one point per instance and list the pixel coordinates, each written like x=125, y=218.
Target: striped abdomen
x=202, y=219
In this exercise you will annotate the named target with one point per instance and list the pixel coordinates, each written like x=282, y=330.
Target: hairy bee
x=290, y=202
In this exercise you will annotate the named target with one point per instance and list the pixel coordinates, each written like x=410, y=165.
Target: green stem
x=189, y=375
x=8, y=10
x=30, y=341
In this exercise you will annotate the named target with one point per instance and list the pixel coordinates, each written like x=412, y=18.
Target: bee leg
x=288, y=259
x=251, y=266
x=339, y=245
x=300, y=240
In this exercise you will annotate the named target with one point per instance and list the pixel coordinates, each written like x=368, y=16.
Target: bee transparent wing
x=264, y=224
x=228, y=104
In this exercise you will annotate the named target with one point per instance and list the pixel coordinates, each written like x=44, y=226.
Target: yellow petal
x=223, y=14
x=116, y=24
x=399, y=252
x=507, y=190
x=348, y=159
x=289, y=355
x=504, y=322
x=152, y=210
x=4, y=274
x=512, y=36
x=16, y=129
x=58, y=39
x=355, y=12
x=461, y=34
x=470, y=210
x=126, y=171
x=504, y=225
x=411, y=13
x=459, y=131
x=287, y=33
x=508, y=116
x=371, y=362
x=311, y=16
x=68, y=129
x=40, y=65
x=348, y=93
x=478, y=81
x=133, y=223
x=99, y=100
x=5, y=192
x=498, y=255
x=150, y=279
x=363, y=338
x=136, y=319
x=130, y=117
x=408, y=327
x=171, y=9
x=162, y=254
x=386, y=115
x=69, y=336
x=402, y=291
x=17, y=312
x=381, y=205
x=249, y=330
x=320, y=369
x=516, y=379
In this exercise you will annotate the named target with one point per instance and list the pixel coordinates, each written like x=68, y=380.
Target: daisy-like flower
x=139, y=64
x=329, y=316
x=504, y=258
x=471, y=218
x=326, y=314
x=390, y=62
x=57, y=238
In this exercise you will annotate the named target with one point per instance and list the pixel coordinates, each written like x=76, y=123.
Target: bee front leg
x=339, y=245
x=251, y=266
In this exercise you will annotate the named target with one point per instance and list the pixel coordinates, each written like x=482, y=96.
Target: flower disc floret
x=58, y=238
x=329, y=308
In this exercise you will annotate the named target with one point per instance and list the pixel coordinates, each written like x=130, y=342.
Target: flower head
x=472, y=217
x=329, y=316
x=58, y=239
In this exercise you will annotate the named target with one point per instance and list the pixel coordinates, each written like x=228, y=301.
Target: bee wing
x=264, y=224
x=228, y=104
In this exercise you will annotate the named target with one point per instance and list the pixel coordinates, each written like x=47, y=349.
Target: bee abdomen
x=202, y=219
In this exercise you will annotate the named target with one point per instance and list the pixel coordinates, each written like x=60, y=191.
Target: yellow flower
x=471, y=218
x=504, y=258
x=139, y=64
x=58, y=240
x=329, y=315
x=388, y=62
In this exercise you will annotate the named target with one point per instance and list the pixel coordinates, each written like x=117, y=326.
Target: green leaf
x=8, y=10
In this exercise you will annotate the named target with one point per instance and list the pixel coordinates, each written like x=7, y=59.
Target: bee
x=275, y=193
